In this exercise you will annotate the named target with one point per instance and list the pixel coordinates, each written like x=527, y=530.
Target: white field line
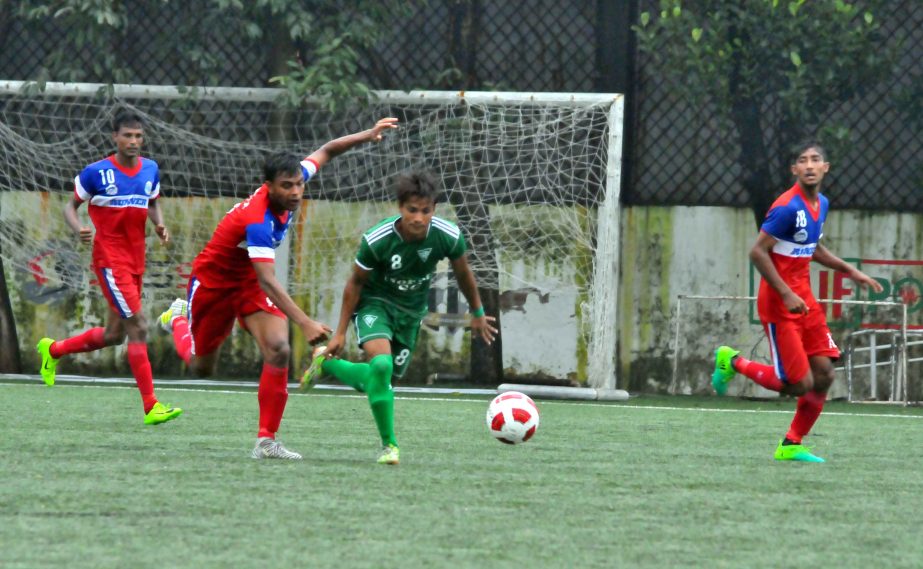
x=164, y=386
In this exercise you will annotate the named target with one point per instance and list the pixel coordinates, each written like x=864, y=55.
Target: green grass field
x=657, y=482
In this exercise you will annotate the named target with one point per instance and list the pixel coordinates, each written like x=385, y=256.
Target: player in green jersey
x=386, y=298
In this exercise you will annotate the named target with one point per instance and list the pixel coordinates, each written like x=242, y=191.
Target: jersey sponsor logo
x=807, y=251
x=127, y=201
x=424, y=253
x=369, y=320
x=801, y=236
x=408, y=284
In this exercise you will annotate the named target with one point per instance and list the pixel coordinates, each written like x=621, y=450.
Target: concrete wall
x=703, y=251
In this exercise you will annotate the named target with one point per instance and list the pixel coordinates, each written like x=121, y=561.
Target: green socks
x=373, y=378
x=352, y=374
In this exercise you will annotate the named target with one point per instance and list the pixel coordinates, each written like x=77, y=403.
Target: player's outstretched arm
x=759, y=255
x=351, y=294
x=314, y=332
x=340, y=145
x=481, y=324
x=826, y=258
x=70, y=217
x=155, y=214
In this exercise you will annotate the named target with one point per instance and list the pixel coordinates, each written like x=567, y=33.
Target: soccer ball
x=512, y=417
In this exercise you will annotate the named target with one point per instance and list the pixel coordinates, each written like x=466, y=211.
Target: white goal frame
x=603, y=294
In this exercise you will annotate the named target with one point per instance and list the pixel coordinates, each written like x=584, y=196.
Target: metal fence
x=678, y=154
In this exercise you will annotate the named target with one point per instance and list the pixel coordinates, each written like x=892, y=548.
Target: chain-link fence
x=677, y=154
x=685, y=154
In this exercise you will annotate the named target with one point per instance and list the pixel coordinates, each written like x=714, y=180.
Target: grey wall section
x=704, y=251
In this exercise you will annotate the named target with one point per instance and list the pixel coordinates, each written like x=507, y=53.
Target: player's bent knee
x=203, y=369
x=823, y=380
x=277, y=353
x=382, y=366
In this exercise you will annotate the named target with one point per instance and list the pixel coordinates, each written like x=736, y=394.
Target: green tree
x=311, y=48
x=772, y=68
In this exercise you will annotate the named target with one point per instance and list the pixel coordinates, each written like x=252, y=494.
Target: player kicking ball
x=386, y=299
x=122, y=193
x=233, y=278
x=802, y=349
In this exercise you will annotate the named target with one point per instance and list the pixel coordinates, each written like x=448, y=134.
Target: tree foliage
x=311, y=48
x=770, y=66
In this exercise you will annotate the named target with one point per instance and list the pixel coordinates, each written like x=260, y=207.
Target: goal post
x=532, y=179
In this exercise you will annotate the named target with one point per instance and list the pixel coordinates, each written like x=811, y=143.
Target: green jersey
x=401, y=271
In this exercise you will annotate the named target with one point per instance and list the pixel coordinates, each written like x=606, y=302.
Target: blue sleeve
x=259, y=235
x=779, y=222
x=86, y=183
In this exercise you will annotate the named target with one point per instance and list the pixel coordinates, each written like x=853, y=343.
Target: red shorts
x=212, y=312
x=792, y=342
x=122, y=290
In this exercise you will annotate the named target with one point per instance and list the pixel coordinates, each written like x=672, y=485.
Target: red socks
x=761, y=374
x=90, y=340
x=182, y=339
x=141, y=369
x=272, y=395
x=806, y=413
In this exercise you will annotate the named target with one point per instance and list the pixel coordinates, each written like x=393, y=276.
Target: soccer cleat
x=269, y=448
x=161, y=413
x=797, y=452
x=48, y=363
x=390, y=455
x=724, y=371
x=314, y=371
x=177, y=309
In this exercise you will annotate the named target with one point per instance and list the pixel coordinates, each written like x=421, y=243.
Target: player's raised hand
x=86, y=234
x=483, y=327
x=381, y=126
x=315, y=332
x=163, y=233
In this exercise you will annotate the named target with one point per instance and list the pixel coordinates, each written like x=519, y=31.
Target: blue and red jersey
x=249, y=233
x=797, y=226
x=118, y=199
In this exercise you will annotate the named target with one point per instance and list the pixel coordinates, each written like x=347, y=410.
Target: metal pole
x=873, y=362
x=679, y=305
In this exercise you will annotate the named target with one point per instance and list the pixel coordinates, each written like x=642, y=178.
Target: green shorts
x=378, y=319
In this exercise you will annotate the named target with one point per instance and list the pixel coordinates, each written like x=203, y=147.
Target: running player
x=233, y=278
x=121, y=192
x=802, y=349
x=386, y=298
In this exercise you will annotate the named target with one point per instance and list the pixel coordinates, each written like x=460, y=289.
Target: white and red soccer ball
x=512, y=417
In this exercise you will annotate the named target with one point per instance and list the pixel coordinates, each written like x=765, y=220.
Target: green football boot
x=390, y=455
x=799, y=453
x=48, y=363
x=161, y=413
x=314, y=371
x=724, y=371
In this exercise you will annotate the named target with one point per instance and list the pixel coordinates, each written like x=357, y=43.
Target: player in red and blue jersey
x=233, y=278
x=802, y=349
x=122, y=193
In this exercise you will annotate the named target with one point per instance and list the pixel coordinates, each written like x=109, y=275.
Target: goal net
x=532, y=180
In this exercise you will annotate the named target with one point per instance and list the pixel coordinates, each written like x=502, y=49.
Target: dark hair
x=799, y=149
x=280, y=162
x=126, y=117
x=416, y=184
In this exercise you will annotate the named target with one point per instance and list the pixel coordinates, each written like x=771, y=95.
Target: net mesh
x=523, y=181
